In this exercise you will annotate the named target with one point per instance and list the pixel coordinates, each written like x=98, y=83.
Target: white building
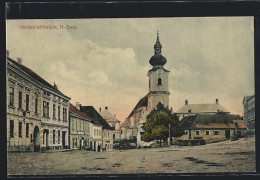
x=112, y=121
x=37, y=112
x=79, y=128
x=195, y=109
x=95, y=136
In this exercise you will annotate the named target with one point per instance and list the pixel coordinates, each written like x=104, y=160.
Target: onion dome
x=157, y=58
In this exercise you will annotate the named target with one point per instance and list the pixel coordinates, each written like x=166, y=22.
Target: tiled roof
x=34, y=75
x=91, y=112
x=202, y=108
x=142, y=103
x=212, y=121
x=76, y=111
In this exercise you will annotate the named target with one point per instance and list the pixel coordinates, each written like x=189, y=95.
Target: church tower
x=158, y=79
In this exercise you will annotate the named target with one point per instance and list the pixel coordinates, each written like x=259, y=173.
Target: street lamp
x=170, y=134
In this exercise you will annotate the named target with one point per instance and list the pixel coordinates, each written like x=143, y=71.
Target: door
x=63, y=138
x=227, y=134
x=36, y=139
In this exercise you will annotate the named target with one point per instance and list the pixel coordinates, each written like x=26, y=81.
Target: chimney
x=78, y=105
x=106, y=108
x=7, y=53
x=186, y=102
x=216, y=101
x=19, y=60
x=100, y=109
x=55, y=86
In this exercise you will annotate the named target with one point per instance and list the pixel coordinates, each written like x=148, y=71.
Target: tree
x=157, y=124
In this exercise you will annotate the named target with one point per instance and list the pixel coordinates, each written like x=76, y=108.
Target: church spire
x=157, y=46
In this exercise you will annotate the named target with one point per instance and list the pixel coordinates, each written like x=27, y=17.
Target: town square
x=130, y=96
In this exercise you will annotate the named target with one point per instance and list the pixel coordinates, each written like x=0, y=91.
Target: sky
x=104, y=62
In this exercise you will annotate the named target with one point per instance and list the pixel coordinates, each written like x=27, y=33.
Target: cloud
x=105, y=61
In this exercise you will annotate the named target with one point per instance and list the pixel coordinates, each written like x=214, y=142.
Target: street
x=227, y=156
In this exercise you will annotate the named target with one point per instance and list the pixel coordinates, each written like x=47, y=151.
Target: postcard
x=130, y=95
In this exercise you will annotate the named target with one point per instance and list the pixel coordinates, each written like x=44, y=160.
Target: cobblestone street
x=228, y=156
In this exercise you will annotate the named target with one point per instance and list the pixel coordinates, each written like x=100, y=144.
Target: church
x=158, y=92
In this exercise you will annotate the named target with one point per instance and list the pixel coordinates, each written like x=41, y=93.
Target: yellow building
x=210, y=128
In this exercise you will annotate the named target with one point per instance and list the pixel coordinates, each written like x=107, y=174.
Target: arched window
x=159, y=81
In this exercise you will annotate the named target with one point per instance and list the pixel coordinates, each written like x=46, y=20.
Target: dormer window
x=159, y=81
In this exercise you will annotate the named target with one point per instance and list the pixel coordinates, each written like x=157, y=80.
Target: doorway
x=227, y=134
x=63, y=138
x=36, y=139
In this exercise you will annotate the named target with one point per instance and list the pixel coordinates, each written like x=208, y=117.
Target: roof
x=78, y=112
x=142, y=103
x=35, y=76
x=247, y=98
x=107, y=115
x=91, y=112
x=126, y=123
x=202, y=108
x=215, y=121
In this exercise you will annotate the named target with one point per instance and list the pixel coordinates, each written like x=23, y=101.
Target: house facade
x=210, y=128
x=37, y=112
x=194, y=109
x=112, y=121
x=106, y=131
x=79, y=131
x=249, y=112
x=95, y=137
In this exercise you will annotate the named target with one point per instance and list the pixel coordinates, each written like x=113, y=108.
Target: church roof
x=216, y=121
x=91, y=112
x=202, y=108
x=142, y=103
x=35, y=76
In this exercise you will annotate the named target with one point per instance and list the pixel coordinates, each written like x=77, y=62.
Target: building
x=79, y=128
x=193, y=109
x=157, y=93
x=106, y=131
x=212, y=127
x=112, y=121
x=37, y=112
x=249, y=112
x=95, y=136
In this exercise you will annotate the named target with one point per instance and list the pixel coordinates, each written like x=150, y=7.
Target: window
x=64, y=114
x=58, y=112
x=20, y=100
x=58, y=136
x=36, y=105
x=20, y=129
x=197, y=132
x=216, y=133
x=207, y=132
x=186, y=132
x=114, y=136
x=54, y=111
x=159, y=81
x=149, y=82
x=27, y=130
x=53, y=136
x=11, y=128
x=47, y=109
x=27, y=102
x=121, y=131
x=11, y=103
x=44, y=109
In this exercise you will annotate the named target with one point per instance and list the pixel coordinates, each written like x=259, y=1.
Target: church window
x=159, y=81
